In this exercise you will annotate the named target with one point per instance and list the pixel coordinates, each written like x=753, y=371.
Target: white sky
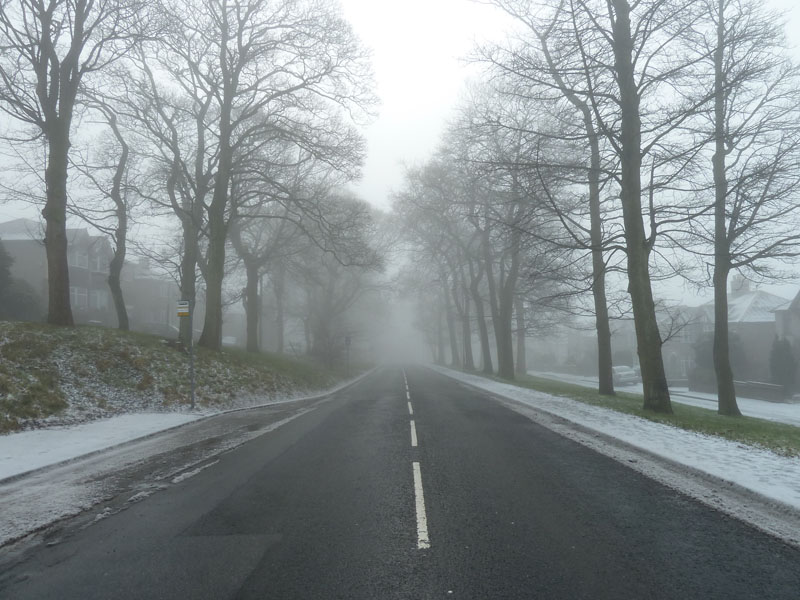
x=418, y=49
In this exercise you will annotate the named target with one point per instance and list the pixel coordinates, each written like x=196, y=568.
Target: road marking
x=422, y=520
x=410, y=409
x=413, y=435
x=408, y=395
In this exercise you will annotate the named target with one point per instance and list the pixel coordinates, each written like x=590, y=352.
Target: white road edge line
x=410, y=409
x=413, y=435
x=423, y=541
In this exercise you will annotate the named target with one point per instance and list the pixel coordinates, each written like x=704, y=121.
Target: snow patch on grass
x=30, y=450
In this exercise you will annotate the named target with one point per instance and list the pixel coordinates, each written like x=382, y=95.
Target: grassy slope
x=65, y=375
x=778, y=437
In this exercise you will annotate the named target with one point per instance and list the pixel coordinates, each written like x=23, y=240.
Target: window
x=78, y=297
x=76, y=258
x=99, y=263
x=98, y=299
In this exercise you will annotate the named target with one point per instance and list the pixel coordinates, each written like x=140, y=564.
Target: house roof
x=749, y=307
x=21, y=229
x=28, y=229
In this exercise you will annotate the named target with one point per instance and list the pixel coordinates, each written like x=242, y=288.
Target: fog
x=467, y=198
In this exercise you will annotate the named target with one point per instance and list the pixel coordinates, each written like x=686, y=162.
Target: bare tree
x=47, y=50
x=753, y=125
x=283, y=68
x=335, y=273
x=110, y=172
x=634, y=60
x=543, y=62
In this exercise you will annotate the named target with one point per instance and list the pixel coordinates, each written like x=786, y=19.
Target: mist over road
x=410, y=485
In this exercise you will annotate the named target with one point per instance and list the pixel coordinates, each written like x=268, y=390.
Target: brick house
x=150, y=297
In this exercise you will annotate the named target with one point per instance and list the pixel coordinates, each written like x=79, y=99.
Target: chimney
x=739, y=285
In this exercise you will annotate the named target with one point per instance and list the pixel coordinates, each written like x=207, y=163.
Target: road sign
x=183, y=308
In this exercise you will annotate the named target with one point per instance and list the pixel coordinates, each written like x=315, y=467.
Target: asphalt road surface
x=409, y=485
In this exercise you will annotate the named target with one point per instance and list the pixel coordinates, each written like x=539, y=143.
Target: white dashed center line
x=422, y=520
x=413, y=435
x=410, y=409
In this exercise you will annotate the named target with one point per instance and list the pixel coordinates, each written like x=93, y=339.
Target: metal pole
x=191, y=353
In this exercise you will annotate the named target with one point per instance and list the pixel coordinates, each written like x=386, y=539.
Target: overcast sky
x=418, y=49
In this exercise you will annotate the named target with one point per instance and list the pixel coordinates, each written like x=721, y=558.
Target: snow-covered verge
x=779, y=412
x=56, y=473
x=57, y=376
x=29, y=450
x=760, y=471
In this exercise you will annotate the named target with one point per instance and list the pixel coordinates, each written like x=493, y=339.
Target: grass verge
x=780, y=438
x=63, y=375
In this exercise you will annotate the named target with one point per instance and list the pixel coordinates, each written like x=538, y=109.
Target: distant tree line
x=608, y=139
x=235, y=121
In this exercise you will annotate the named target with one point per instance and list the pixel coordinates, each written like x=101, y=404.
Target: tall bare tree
x=544, y=61
x=752, y=127
x=110, y=173
x=282, y=67
x=48, y=48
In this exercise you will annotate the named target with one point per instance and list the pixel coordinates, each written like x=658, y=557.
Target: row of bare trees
x=613, y=135
x=233, y=120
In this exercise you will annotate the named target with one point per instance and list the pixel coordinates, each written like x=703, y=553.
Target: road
x=407, y=485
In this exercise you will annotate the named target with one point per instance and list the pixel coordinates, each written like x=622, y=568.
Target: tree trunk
x=462, y=308
x=605, y=378
x=252, y=306
x=503, y=332
x=604, y=374
x=440, y=358
x=59, y=311
x=114, y=275
x=504, y=327
x=505, y=365
x=455, y=359
x=522, y=358
x=211, y=337
x=121, y=233
x=726, y=392
x=466, y=325
x=480, y=315
x=188, y=268
x=279, y=288
x=648, y=338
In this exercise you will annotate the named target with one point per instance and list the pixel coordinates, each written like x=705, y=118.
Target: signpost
x=185, y=311
x=347, y=347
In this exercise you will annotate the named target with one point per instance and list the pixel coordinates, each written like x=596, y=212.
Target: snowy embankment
x=779, y=412
x=31, y=450
x=757, y=470
x=28, y=451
